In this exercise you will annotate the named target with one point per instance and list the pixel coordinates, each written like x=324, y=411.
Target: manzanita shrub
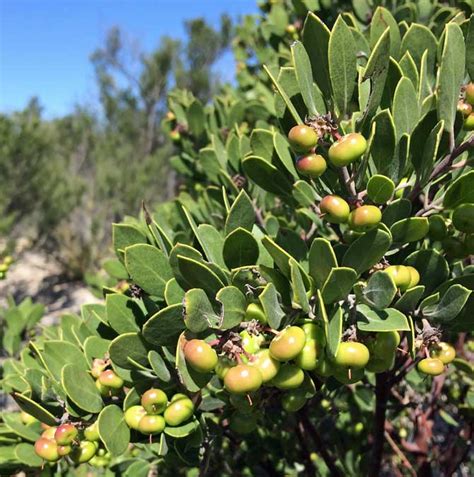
x=304, y=306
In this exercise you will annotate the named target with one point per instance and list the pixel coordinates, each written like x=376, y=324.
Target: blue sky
x=45, y=44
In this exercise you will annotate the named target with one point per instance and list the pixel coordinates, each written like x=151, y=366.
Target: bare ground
x=36, y=275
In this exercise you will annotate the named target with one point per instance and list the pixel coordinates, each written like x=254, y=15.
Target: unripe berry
x=200, y=356
x=178, y=411
x=91, y=433
x=470, y=93
x=385, y=344
x=400, y=275
x=311, y=165
x=302, y=138
x=175, y=135
x=84, y=452
x=104, y=390
x=242, y=379
x=288, y=343
x=65, y=434
x=223, y=365
x=49, y=433
x=250, y=342
x=255, y=312
x=463, y=218
x=154, y=401
x=444, y=352
x=133, y=416
x=335, y=208
x=308, y=357
x=110, y=379
x=47, y=449
x=266, y=364
x=151, y=424
x=415, y=277
x=314, y=332
x=289, y=376
x=431, y=366
x=347, y=149
x=27, y=419
x=469, y=122
x=365, y=218
x=64, y=450
x=352, y=355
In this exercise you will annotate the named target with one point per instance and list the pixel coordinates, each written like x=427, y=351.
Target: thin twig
x=400, y=454
x=444, y=165
x=346, y=180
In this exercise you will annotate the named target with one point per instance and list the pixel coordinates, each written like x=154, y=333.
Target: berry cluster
x=67, y=441
x=155, y=412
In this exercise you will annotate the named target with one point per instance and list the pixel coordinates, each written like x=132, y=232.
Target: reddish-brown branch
x=382, y=390
x=444, y=165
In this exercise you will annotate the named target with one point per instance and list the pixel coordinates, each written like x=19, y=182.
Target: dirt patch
x=36, y=275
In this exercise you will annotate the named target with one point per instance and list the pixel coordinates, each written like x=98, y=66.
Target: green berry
x=335, y=208
x=364, y=218
x=444, y=352
x=255, y=312
x=351, y=354
x=469, y=90
x=289, y=376
x=400, y=275
x=302, y=138
x=133, y=416
x=84, y=452
x=311, y=165
x=110, y=379
x=469, y=122
x=243, y=379
x=431, y=366
x=200, y=356
x=308, y=357
x=47, y=449
x=347, y=149
x=178, y=411
x=151, y=424
x=65, y=434
x=288, y=343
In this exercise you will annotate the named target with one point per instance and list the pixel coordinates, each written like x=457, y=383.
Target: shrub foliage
x=304, y=305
